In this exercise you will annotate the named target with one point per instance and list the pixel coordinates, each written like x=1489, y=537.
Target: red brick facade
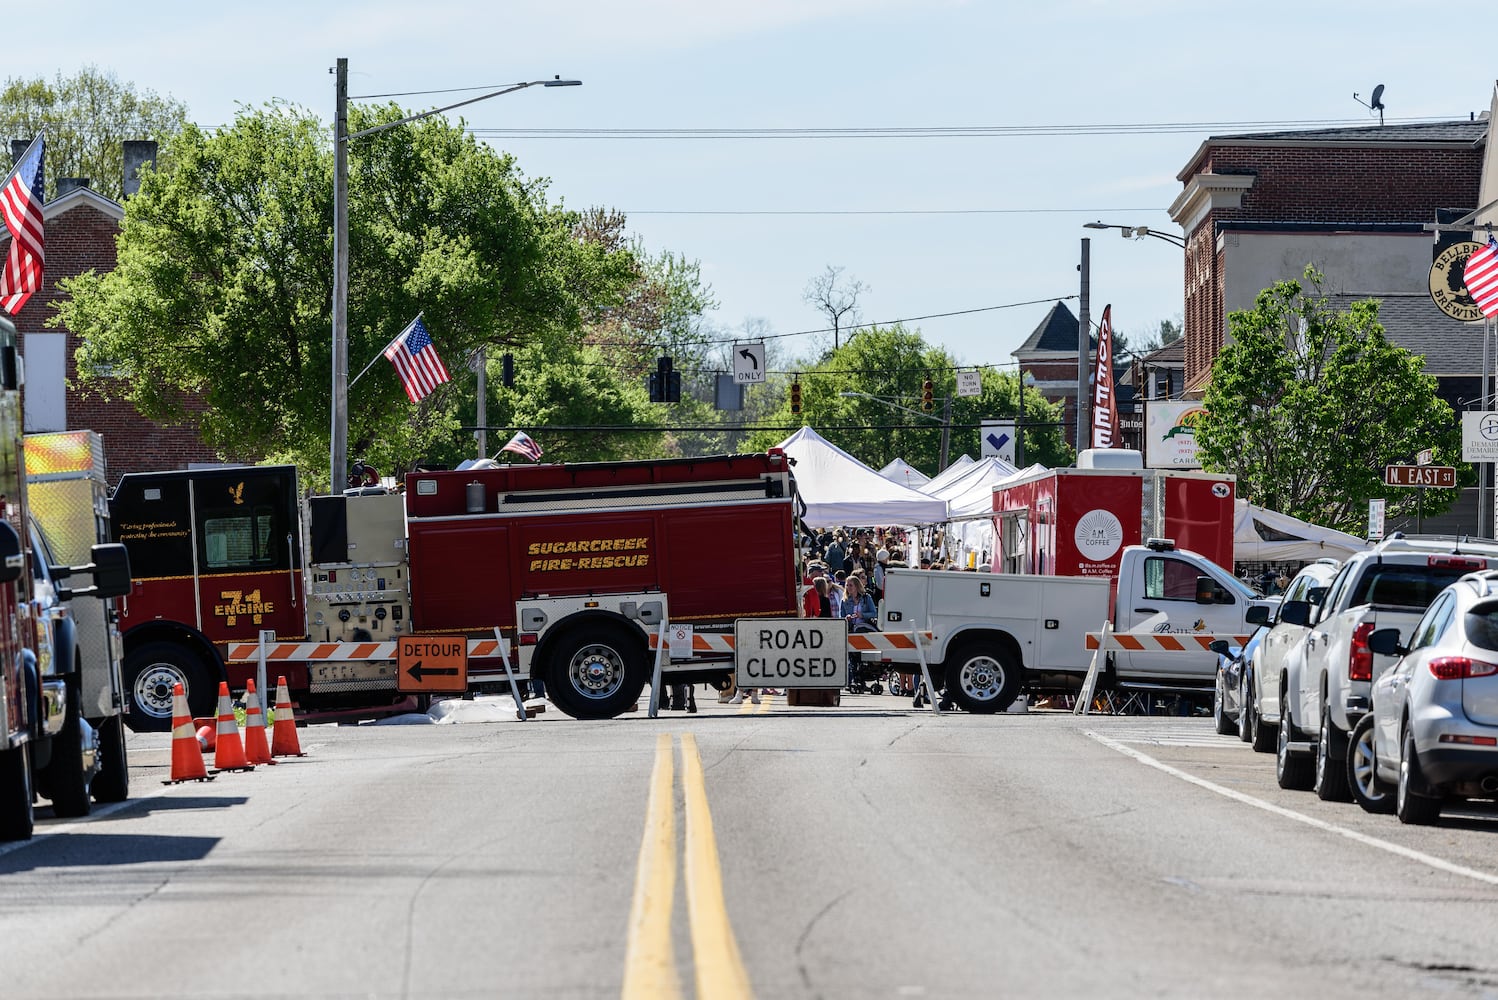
x=80, y=236
x=1299, y=181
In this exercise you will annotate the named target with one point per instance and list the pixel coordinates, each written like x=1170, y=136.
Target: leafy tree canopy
x=1308, y=404
x=890, y=364
x=224, y=281
x=87, y=116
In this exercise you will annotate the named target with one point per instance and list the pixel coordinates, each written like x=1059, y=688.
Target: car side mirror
x=1296, y=612
x=109, y=565
x=1219, y=646
x=1385, y=641
x=1316, y=595
x=1256, y=615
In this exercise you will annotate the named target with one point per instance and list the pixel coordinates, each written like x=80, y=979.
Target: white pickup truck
x=1327, y=675
x=997, y=634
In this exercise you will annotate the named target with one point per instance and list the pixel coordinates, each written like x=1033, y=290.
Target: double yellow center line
x=650, y=963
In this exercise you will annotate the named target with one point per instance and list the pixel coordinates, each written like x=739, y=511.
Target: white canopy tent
x=902, y=472
x=1263, y=535
x=971, y=531
x=974, y=476
x=840, y=490
x=945, y=476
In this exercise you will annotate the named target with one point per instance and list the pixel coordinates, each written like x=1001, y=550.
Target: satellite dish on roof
x=1376, y=104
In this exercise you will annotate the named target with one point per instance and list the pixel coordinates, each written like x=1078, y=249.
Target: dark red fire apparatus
x=571, y=567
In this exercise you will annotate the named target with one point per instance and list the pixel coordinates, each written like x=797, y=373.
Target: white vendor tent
x=1263, y=535
x=841, y=490
x=954, y=471
x=902, y=472
x=970, y=531
x=975, y=475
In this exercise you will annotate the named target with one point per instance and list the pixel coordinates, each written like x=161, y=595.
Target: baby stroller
x=865, y=678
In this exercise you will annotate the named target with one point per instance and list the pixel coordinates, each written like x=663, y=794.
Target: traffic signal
x=507, y=365
x=928, y=399
x=665, y=384
x=796, y=398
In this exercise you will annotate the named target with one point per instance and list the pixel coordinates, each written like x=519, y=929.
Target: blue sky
x=1011, y=206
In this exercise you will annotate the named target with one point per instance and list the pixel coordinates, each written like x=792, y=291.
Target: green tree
x=1308, y=404
x=884, y=368
x=224, y=281
x=87, y=116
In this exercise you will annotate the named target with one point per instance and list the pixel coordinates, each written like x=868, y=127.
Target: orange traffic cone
x=230, y=753
x=207, y=732
x=187, y=755
x=256, y=749
x=283, y=741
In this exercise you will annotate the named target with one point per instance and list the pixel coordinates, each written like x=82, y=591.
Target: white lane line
x=1400, y=850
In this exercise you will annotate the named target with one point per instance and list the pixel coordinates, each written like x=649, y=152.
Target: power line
x=887, y=211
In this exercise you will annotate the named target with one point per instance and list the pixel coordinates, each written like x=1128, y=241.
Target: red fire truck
x=47, y=741
x=1077, y=522
x=570, y=567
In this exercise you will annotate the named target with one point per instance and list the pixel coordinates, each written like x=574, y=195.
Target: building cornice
x=1206, y=193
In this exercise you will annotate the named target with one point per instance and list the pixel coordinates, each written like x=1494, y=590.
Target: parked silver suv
x=1435, y=713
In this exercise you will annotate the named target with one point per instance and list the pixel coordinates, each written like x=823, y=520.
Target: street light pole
x=338, y=443
x=1084, y=347
x=946, y=430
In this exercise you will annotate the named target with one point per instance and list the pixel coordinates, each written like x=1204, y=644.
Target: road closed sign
x=791, y=652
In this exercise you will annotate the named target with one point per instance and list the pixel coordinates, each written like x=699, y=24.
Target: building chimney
x=138, y=153
x=67, y=185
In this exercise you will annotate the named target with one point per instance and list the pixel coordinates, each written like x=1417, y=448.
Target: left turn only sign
x=432, y=664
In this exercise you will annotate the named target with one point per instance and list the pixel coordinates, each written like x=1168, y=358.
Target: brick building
x=1258, y=208
x=81, y=226
x=1049, y=355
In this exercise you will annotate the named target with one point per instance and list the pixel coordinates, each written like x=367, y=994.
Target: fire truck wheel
x=112, y=784
x=16, y=815
x=150, y=672
x=66, y=778
x=982, y=677
x=597, y=673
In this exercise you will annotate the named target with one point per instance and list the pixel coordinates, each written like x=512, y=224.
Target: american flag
x=416, y=362
x=21, y=204
x=523, y=444
x=1481, y=277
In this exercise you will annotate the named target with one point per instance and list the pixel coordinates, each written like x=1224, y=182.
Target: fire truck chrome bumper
x=54, y=705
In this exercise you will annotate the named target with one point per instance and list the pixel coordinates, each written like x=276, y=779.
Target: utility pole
x=483, y=410
x=338, y=450
x=1084, y=347
x=946, y=430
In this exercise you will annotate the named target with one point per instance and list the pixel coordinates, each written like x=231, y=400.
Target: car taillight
x=1359, y=656
x=1454, y=668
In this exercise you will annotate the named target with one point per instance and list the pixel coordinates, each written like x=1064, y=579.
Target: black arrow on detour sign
x=748, y=356
x=417, y=671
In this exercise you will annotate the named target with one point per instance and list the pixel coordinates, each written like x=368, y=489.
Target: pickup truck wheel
x=1291, y=771
x=112, y=783
x=1409, y=804
x=1265, y=735
x=597, y=673
x=150, y=673
x=1362, y=774
x=1331, y=770
x=67, y=780
x=16, y=816
x=1220, y=721
x=982, y=677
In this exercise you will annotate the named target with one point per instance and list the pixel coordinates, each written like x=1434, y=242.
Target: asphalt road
x=863, y=851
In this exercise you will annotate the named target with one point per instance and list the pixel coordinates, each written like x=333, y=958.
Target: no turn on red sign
x=791, y=652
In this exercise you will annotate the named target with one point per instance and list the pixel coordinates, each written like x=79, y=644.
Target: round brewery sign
x=1447, y=289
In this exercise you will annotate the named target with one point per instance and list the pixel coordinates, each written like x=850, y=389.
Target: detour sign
x=791, y=652
x=432, y=664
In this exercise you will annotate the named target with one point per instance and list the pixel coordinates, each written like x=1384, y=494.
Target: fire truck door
x=249, y=554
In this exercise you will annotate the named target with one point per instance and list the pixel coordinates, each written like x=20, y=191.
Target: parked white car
x=1260, y=717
